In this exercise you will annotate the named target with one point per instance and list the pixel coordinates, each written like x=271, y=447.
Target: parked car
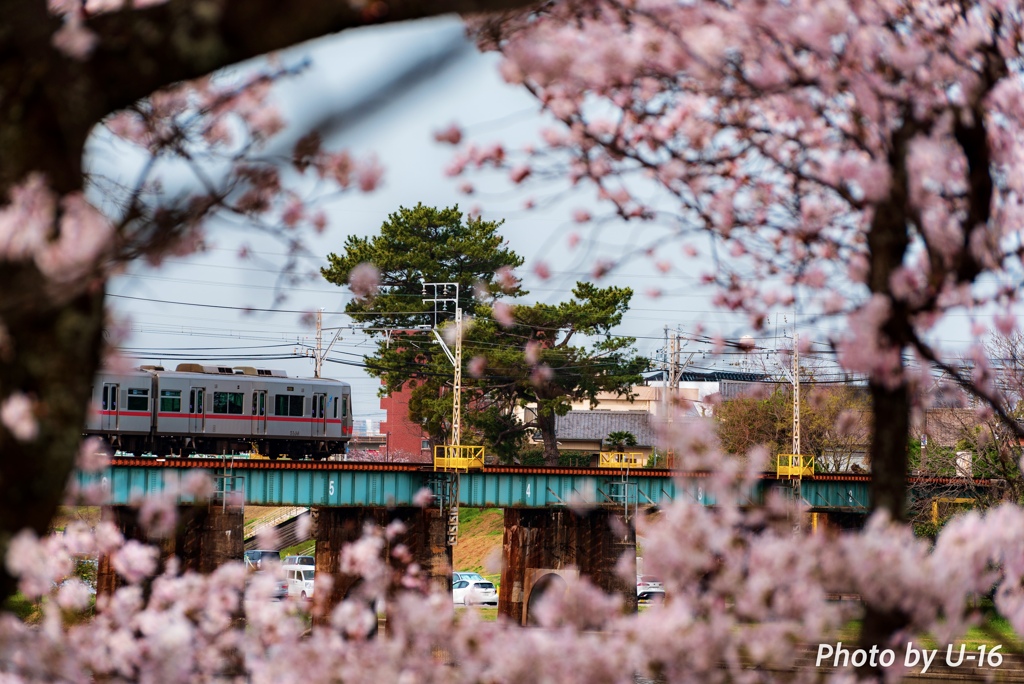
x=654, y=595
x=257, y=558
x=469, y=576
x=648, y=582
x=649, y=588
x=300, y=560
x=474, y=592
x=278, y=589
x=300, y=580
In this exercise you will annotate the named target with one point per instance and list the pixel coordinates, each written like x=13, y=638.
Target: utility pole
x=664, y=377
x=796, y=393
x=444, y=294
x=796, y=428
x=321, y=353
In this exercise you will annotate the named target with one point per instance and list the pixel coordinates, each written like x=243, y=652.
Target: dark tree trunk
x=50, y=353
x=546, y=425
x=51, y=338
x=888, y=240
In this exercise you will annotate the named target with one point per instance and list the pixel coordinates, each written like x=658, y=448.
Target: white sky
x=468, y=91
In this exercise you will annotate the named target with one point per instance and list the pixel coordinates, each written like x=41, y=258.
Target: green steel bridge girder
x=283, y=487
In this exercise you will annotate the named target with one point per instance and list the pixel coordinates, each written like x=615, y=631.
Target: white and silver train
x=220, y=410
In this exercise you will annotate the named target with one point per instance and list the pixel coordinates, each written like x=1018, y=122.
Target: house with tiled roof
x=588, y=431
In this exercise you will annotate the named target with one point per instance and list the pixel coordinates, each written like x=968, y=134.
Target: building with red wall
x=406, y=440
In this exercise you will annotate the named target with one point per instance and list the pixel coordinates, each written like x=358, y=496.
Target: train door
x=319, y=415
x=196, y=410
x=108, y=405
x=259, y=412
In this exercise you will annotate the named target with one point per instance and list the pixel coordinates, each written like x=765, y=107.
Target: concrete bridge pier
x=541, y=547
x=209, y=536
x=205, y=537
x=424, y=543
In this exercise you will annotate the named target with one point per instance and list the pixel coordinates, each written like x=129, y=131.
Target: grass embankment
x=994, y=631
x=478, y=550
x=479, y=547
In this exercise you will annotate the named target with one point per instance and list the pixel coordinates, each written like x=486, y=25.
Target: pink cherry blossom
x=74, y=39
x=135, y=561
x=26, y=223
x=424, y=497
x=506, y=279
x=364, y=281
x=451, y=135
x=198, y=484
x=503, y=314
x=17, y=413
x=369, y=175
x=477, y=365
x=581, y=216
x=519, y=173
x=85, y=235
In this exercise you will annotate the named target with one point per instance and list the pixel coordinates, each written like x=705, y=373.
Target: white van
x=300, y=580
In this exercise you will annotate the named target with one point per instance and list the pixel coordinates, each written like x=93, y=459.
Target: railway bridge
x=543, y=536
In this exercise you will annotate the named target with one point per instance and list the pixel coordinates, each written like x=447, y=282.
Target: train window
x=138, y=399
x=259, y=403
x=227, y=402
x=334, y=400
x=170, y=401
x=288, y=405
x=344, y=406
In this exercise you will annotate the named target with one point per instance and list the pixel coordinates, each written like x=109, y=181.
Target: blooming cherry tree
x=861, y=159
x=142, y=70
x=871, y=146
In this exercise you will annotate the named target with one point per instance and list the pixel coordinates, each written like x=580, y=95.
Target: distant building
x=948, y=441
x=405, y=440
x=588, y=431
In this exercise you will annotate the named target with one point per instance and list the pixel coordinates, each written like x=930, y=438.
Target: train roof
x=201, y=369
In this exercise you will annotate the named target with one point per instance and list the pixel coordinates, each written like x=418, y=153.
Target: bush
x=574, y=459
x=531, y=457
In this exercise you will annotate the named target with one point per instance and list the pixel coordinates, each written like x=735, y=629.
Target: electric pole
x=444, y=294
x=321, y=353
x=797, y=494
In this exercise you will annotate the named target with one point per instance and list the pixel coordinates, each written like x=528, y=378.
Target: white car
x=649, y=589
x=474, y=592
x=300, y=581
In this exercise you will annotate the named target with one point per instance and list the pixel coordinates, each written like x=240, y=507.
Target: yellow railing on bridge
x=956, y=501
x=794, y=465
x=621, y=459
x=458, y=457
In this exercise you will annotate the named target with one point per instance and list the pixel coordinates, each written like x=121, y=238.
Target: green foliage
x=305, y=548
x=22, y=608
x=621, y=440
x=531, y=361
x=573, y=459
x=418, y=245
x=424, y=244
x=913, y=454
x=531, y=457
x=657, y=459
x=928, y=530
x=834, y=423
x=86, y=569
